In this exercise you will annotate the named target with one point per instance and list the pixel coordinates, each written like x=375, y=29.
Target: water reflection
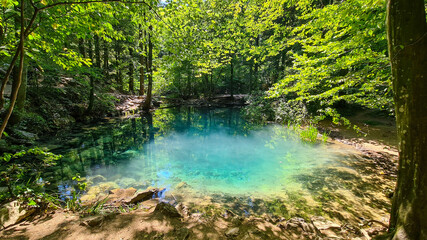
x=213, y=156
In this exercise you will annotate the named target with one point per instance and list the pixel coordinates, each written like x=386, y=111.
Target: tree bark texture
x=407, y=38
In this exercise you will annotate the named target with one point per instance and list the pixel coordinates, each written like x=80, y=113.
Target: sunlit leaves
x=342, y=58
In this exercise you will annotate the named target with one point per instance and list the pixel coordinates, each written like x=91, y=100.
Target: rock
x=140, y=184
x=326, y=227
x=181, y=185
x=183, y=210
x=322, y=224
x=95, y=192
x=126, y=182
x=106, y=186
x=118, y=196
x=12, y=213
x=297, y=225
x=143, y=196
x=97, y=179
x=232, y=232
x=167, y=210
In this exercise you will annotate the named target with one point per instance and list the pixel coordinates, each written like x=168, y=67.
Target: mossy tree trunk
x=407, y=38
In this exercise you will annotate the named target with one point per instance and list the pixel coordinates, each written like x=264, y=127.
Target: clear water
x=219, y=156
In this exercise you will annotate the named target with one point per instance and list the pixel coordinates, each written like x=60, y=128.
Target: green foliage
x=309, y=133
x=339, y=53
x=20, y=173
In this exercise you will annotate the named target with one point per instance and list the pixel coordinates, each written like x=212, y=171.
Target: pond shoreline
x=222, y=225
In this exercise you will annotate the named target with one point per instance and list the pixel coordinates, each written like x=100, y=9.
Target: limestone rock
x=183, y=210
x=232, y=232
x=96, y=192
x=326, y=227
x=126, y=182
x=322, y=224
x=143, y=196
x=97, y=179
x=167, y=210
x=12, y=213
x=118, y=196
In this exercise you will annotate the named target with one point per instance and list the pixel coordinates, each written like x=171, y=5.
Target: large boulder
x=12, y=213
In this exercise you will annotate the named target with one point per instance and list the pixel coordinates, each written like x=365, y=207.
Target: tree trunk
x=97, y=52
x=407, y=38
x=141, y=74
x=82, y=47
x=141, y=63
x=92, y=81
x=231, y=78
x=256, y=67
x=19, y=79
x=106, y=57
x=131, y=70
x=251, y=75
x=147, y=103
x=119, y=79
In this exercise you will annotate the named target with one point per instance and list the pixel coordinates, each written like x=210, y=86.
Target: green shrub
x=20, y=174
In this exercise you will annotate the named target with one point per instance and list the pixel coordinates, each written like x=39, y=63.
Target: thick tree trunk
x=407, y=37
x=147, y=104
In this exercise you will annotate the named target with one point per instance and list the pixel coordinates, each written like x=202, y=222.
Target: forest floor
x=152, y=222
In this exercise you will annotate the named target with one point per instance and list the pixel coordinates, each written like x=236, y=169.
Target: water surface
x=214, y=157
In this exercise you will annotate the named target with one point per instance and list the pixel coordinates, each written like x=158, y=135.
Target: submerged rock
x=126, y=182
x=98, y=191
x=232, y=232
x=97, y=179
x=167, y=210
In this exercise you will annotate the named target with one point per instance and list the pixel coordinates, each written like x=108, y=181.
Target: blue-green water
x=209, y=154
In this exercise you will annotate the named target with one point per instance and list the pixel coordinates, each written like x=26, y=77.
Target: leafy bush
x=20, y=174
